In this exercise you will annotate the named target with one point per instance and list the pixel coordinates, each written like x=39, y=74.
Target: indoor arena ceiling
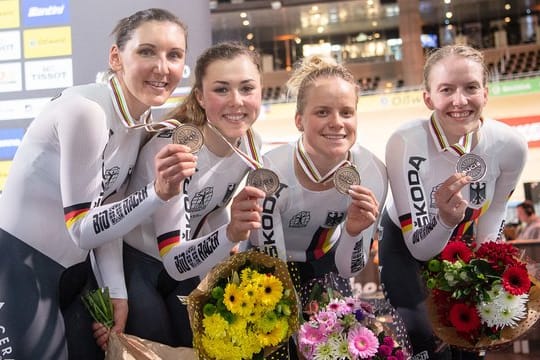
x=268, y=19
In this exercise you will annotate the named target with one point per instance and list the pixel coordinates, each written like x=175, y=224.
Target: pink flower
x=310, y=335
x=399, y=355
x=338, y=306
x=388, y=341
x=385, y=350
x=327, y=320
x=362, y=342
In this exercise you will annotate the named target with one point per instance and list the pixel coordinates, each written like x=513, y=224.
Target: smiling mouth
x=460, y=114
x=234, y=117
x=157, y=84
x=335, y=137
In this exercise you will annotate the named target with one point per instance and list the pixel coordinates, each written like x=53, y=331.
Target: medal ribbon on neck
x=309, y=167
x=122, y=108
x=253, y=160
x=463, y=146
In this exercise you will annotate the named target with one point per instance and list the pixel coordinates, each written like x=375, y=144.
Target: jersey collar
x=120, y=105
x=441, y=142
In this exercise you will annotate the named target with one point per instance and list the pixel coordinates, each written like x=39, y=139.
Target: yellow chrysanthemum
x=267, y=322
x=246, y=275
x=276, y=335
x=215, y=326
x=232, y=297
x=272, y=290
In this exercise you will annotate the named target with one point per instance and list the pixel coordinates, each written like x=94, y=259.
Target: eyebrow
x=227, y=82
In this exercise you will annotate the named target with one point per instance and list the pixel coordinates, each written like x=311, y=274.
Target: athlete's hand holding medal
x=364, y=208
x=469, y=168
x=176, y=161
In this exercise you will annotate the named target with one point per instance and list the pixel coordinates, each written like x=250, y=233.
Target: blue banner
x=10, y=140
x=45, y=12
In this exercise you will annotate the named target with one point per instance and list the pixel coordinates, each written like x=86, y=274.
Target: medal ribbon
x=253, y=160
x=122, y=108
x=460, y=148
x=309, y=167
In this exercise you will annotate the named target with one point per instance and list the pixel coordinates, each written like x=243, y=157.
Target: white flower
x=341, y=346
x=488, y=313
x=325, y=351
x=504, y=309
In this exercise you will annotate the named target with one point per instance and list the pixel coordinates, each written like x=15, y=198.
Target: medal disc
x=264, y=179
x=472, y=165
x=344, y=177
x=188, y=135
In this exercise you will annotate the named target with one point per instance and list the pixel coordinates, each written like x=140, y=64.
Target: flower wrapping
x=124, y=346
x=481, y=297
x=349, y=328
x=245, y=307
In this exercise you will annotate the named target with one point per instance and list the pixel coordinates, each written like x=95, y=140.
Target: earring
x=300, y=128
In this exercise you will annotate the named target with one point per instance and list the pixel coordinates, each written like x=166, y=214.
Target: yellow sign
x=46, y=42
x=4, y=169
x=405, y=99
x=9, y=14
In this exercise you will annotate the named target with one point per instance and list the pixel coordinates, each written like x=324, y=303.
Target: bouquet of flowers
x=124, y=346
x=481, y=297
x=348, y=328
x=244, y=308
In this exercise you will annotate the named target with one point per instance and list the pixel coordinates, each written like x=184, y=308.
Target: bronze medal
x=344, y=177
x=188, y=135
x=264, y=179
x=472, y=165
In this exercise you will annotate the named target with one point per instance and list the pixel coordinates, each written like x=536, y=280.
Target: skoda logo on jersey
x=201, y=199
x=334, y=218
x=300, y=220
x=110, y=176
x=477, y=193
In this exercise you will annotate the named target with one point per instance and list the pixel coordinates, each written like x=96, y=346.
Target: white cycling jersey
x=418, y=164
x=308, y=224
x=76, y=154
x=190, y=242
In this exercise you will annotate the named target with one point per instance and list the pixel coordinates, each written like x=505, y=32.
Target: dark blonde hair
x=456, y=50
x=311, y=68
x=123, y=31
x=190, y=111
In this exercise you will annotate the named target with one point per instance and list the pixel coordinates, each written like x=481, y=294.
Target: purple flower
x=399, y=355
x=388, y=341
x=359, y=315
x=385, y=350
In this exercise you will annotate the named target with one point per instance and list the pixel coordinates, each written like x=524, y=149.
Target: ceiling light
x=449, y=14
x=245, y=22
x=249, y=36
x=276, y=5
x=243, y=15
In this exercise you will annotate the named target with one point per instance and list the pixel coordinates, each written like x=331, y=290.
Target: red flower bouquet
x=481, y=297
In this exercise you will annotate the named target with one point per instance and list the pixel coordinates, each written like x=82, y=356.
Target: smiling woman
x=68, y=181
x=435, y=199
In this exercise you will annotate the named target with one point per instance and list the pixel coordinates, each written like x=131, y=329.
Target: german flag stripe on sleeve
x=406, y=223
x=74, y=213
x=320, y=244
x=167, y=241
